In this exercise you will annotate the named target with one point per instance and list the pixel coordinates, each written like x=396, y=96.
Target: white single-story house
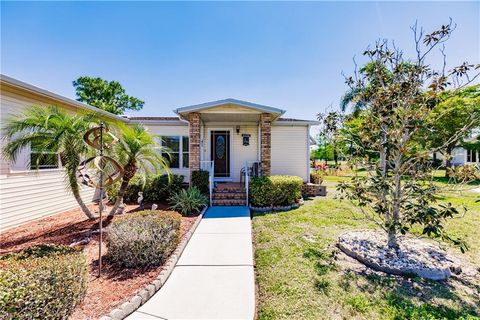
x=462, y=156
x=229, y=133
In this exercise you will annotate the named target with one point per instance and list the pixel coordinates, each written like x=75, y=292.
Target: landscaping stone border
x=426, y=260
x=150, y=289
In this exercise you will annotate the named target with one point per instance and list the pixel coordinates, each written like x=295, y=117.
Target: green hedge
x=200, y=180
x=42, y=282
x=275, y=190
x=155, y=188
x=160, y=188
x=144, y=238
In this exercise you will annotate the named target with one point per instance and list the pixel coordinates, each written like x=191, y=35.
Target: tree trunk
x=76, y=195
x=73, y=183
x=392, y=240
x=448, y=160
x=121, y=193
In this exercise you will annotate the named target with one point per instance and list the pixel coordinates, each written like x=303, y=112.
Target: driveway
x=214, y=277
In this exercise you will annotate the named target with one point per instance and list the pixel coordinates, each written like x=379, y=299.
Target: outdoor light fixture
x=246, y=139
x=238, y=129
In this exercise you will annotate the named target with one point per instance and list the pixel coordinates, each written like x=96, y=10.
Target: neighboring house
x=231, y=133
x=462, y=156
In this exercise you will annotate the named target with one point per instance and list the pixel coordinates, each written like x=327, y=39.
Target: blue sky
x=283, y=54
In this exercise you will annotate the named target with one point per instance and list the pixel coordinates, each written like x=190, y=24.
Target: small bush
x=144, y=238
x=188, y=201
x=200, y=180
x=136, y=185
x=316, y=176
x=161, y=188
x=42, y=282
x=275, y=190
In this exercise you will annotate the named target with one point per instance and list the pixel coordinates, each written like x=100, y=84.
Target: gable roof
x=217, y=103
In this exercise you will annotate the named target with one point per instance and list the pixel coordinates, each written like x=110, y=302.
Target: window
x=42, y=159
x=179, y=152
x=471, y=155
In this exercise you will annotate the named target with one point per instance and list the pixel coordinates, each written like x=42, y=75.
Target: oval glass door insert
x=220, y=147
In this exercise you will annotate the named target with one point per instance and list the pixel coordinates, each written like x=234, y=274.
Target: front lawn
x=302, y=275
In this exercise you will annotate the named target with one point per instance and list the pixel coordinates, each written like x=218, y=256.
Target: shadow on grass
x=411, y=298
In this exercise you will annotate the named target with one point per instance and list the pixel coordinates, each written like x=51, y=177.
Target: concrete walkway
x=214, y=277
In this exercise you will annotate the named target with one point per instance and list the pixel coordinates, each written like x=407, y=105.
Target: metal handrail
x=247, y=175
x=208, y=166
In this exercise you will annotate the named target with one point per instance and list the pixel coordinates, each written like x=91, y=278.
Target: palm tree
x=51, y=130
x=138, y=152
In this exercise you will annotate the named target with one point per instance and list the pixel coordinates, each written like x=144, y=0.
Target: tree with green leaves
x=105, y=95
x=330, y=127
x=52, y=131
x=399, y=95
x=454, y=110
x=139, y=153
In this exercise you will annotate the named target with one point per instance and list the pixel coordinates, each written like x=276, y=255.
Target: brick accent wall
x=265, y=143
x=194, y=138
x=313, y=190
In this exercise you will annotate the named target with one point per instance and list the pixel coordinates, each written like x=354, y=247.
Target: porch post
x=265, y=143
x=194, y=144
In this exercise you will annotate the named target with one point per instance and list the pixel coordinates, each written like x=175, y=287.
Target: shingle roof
x=155, y=118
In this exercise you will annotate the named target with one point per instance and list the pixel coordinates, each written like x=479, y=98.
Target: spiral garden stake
x=100, y=172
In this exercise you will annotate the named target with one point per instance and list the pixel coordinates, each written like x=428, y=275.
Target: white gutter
x=308, y=154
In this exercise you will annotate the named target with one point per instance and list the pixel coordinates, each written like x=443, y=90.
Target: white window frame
x=180, y=149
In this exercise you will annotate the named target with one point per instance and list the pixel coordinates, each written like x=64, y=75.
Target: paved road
x=214, y=277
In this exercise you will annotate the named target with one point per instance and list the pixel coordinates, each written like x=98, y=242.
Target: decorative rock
x=117, y=314
x=136, y=301
x=151, y=289
x=80, y=243
x=145, y=295
x=127, y=308
x=413, y=257
x=157, y=284
x=105, y=318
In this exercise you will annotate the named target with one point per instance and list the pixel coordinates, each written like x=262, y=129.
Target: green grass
x=300, y=274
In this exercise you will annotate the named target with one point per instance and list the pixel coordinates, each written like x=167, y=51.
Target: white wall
x=24, y=194
x=290, y=151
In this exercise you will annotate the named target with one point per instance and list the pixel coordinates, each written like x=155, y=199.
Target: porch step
x=230, y=195
x=229, y=202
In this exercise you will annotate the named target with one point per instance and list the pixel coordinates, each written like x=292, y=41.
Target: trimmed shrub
x=42, y=282
x=144, y=238
x=188, y=201
x=136, y=185
x=161, y=188
x=200, y=180
x=275, y=190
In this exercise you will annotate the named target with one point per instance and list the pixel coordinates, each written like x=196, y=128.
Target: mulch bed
x=115, y=286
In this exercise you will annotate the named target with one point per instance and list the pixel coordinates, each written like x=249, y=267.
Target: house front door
x=220, y=153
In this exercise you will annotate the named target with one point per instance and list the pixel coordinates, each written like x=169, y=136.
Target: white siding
x=27, y=195
x=33, y=195
x=170, y=130
x=290, y=151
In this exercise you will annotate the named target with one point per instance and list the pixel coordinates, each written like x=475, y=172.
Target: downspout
x=308, y=153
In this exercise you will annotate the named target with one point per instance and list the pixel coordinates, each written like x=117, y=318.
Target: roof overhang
x=229, y=110
x=9, y=81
